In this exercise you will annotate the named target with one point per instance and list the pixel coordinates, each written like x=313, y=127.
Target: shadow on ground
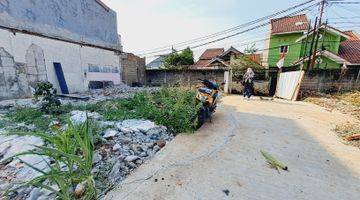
x=223, y=160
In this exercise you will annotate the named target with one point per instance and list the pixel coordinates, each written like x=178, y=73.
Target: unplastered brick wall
x=133, y=69
x=328, y=80
x=182, y=77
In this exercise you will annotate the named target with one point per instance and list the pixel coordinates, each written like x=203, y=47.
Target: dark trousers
x=248, y=90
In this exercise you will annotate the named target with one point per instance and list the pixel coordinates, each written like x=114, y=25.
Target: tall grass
x=174, y=108
x=69, y=157
x=37, y=117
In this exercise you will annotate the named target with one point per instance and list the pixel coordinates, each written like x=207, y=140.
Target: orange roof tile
x=298, y=23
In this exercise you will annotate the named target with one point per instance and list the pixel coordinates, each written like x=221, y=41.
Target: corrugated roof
x=298, y=23
x=350, y=51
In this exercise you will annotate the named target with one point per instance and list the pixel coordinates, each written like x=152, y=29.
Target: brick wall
x=329, y=80
x=133, y=69
x=182, y=77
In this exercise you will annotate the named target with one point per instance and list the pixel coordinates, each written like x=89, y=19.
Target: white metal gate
x=288, y=84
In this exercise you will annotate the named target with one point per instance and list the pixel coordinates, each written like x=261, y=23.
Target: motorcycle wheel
x=201, y=117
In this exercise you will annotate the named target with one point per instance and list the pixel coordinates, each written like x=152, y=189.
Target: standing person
x=248, y=83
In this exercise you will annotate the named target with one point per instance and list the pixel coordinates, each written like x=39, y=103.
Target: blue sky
x=148, y=24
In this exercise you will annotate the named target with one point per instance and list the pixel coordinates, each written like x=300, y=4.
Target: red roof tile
x=350, y=51
x=208, y=55
x=296, y=23
x=211, y=53
x=202, y=62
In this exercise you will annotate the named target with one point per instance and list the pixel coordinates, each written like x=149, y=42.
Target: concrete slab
x=223, y=160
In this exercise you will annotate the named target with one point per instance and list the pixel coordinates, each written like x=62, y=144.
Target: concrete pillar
x=227, y=81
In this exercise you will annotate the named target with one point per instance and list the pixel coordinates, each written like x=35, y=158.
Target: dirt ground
x=223, y=161
x=347, y=103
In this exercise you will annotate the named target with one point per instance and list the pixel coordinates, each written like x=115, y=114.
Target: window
x=284, y=49
x=93, y=68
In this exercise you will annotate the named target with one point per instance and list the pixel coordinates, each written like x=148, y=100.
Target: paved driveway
x=223, y=161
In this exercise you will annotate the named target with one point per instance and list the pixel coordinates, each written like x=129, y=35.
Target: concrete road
x=223, y=161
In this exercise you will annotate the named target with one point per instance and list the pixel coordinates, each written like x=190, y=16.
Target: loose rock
x=97, y=157
x=161, y=143
x=131, y=158
x=110, y=133
x=116, y=147
x=80, y=189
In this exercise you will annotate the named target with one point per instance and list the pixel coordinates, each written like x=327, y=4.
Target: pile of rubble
x=125, y=145
x=118, y=92
x=121, y=91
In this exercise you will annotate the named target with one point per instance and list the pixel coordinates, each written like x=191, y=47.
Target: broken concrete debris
x=109, y=133
x=79, y=117
x=120, y=91
x=116, y=157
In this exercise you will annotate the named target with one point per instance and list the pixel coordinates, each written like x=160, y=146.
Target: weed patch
x=174, y=108
x=36, y=117
x=348, y=129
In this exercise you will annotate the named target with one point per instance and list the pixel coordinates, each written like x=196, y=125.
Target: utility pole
x=306, y=44
x=312, y=45
x=316, y=34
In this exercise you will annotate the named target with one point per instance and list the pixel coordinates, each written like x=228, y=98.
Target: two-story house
x=292, y=38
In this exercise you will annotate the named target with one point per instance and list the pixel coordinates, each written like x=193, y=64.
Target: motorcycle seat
x=205, y=90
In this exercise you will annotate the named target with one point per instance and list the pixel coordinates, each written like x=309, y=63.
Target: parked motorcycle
x=208, y=95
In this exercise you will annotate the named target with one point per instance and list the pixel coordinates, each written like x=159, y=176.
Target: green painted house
x=292, y=38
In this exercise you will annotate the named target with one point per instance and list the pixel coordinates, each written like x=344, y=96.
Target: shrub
x=30, y=116
x=50, y=104
x=175, y=59
x=174, y=108
x=69, y=156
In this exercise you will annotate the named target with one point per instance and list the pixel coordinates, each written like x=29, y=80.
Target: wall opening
x=35, y=65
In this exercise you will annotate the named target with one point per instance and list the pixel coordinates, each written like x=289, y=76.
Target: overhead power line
x=244, y=31
x=227, y=31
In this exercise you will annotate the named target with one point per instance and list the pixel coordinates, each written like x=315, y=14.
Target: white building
x=38, y=36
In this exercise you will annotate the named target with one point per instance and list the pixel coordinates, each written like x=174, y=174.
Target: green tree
x=187, y=57
x=240, y=65
x=175, y=59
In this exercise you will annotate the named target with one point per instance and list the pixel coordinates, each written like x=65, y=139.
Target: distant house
x=289, y=38
x=284, y=33
x=158, y=63
x=216, y=58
